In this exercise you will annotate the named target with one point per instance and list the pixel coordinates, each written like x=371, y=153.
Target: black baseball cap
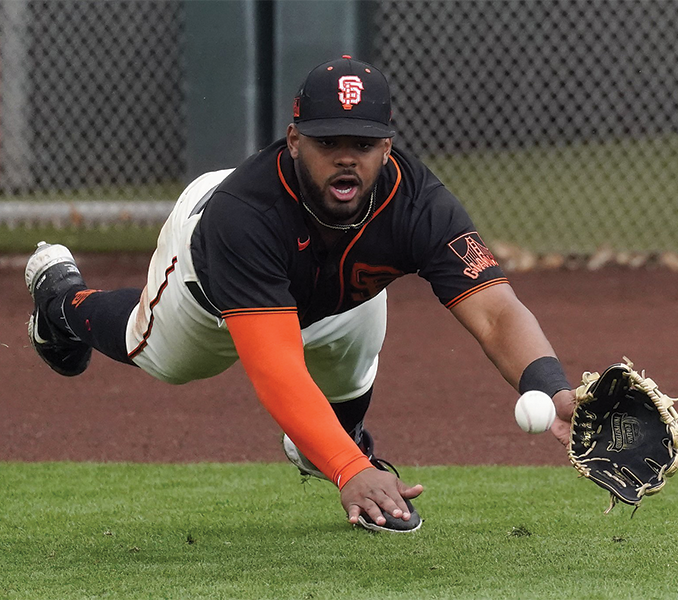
x=344, y=97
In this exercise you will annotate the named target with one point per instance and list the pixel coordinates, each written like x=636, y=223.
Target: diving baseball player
x=283, y=263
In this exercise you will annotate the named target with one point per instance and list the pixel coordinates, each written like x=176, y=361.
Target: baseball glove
x=624, y=433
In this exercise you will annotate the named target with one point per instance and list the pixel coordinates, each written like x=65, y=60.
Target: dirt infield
x=437, y=399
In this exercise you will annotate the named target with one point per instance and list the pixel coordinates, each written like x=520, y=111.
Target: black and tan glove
x=624, y=433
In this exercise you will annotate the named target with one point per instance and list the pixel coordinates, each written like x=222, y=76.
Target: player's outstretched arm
x=512, y=339
x=372, y=491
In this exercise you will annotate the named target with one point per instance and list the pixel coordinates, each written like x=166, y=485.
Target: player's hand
x=372, y=491
x=564, y=401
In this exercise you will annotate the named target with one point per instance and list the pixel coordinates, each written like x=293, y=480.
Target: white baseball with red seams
x=535, y=412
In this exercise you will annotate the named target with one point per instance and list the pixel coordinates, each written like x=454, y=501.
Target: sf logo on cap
x=350, y=91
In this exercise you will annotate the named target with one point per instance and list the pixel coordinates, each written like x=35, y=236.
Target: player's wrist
x=352, y=470
x=545, y=374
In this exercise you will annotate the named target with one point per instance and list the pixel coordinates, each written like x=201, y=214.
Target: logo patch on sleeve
x=471, y=249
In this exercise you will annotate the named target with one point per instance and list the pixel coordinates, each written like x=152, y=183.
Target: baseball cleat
x=50, y=272
x=366, y=444
x=294, y=455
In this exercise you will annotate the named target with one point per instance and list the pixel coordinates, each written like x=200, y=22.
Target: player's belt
x=201, y=299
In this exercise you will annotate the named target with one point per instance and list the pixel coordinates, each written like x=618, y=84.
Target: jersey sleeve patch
x=473, y=252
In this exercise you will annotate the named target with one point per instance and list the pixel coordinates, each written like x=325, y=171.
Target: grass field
x=252, y=531
x=126, y=238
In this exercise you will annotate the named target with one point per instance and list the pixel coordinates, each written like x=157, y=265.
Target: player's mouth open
x=344, y=190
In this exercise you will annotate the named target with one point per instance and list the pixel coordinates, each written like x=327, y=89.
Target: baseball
x=535, y=412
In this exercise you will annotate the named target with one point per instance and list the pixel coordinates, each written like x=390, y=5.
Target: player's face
x=337, y=174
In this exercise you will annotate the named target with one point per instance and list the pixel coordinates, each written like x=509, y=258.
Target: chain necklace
x=342, y=227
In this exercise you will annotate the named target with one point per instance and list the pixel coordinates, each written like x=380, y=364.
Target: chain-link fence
x=91, y=98
x=555, y=121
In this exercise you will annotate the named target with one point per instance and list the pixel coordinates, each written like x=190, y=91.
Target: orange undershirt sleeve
x=271, y=351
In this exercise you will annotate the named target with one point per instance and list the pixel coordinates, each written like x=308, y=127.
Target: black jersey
x=256, y=248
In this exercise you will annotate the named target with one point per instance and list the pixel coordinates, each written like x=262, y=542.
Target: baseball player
x=283, y=263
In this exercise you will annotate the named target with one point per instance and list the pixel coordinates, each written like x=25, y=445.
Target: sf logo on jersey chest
x=368, y=280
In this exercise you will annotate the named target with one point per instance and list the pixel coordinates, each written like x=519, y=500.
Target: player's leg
x=342, y=351
x=99, y=318
x=342, y=355
x=351, y=413
x=70, y=319
x=170, y=333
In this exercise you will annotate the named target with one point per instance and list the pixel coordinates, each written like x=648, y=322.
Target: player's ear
x=388, y=144
x=293, y=140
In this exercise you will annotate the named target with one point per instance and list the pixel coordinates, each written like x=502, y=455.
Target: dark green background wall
x=245, y=60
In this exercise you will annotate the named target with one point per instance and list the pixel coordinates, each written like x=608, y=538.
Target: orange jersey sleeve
x=271, y=350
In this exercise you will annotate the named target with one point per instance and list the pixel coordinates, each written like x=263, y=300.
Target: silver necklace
x=342, y=227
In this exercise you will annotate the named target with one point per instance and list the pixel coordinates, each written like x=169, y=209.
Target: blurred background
x=555, y=122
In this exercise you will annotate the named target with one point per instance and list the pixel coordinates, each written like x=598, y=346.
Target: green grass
x=129, y=238
x=252, y=531
x=116, y=238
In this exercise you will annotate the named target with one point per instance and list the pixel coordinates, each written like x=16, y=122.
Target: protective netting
x=555, y=122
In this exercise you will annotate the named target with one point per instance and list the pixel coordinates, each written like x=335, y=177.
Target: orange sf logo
x=350, y=91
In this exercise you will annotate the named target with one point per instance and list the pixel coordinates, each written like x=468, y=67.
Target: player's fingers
x=380, y=502
x=396, y=507
x=409, y=491
x=353, y=513
x=565, y=404
x=561, y=429
x=377, y=493
x=395, y=503
x=371, y=509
